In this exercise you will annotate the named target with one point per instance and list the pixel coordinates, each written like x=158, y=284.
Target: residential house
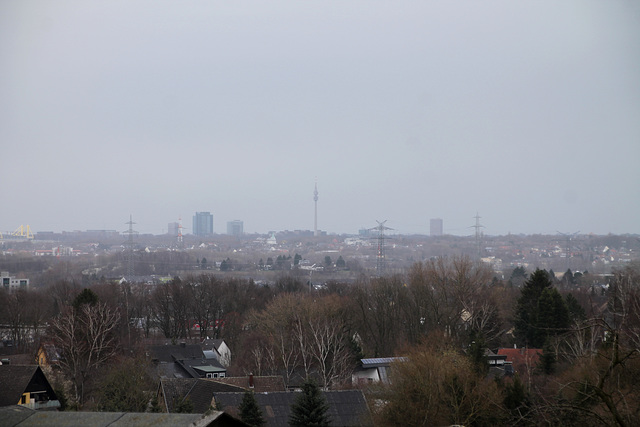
x=217, y=349
x=374, y=370
x=258, y=384
x=48, y=355
x=26, y=385
x=524, y=360
x=21, y=416
x=184, y=361
x=346, y=407
x=199, y=391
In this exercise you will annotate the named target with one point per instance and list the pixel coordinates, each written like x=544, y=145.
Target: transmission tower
x=381, y=258
x=180, y=239
x=478, y=226
x=130, y=245
x=315, y=217
x=567, y=250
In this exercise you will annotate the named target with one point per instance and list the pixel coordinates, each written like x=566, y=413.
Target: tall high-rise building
x=436, y=227
x=235, y=228
x=203, y=224
x=172, y=228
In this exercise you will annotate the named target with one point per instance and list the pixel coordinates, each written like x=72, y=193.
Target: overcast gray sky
x=526, y=112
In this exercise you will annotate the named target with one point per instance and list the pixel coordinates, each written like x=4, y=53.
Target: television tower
x=381, y=258
x=315, y=217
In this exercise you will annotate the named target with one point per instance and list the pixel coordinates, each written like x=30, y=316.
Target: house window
x=215, y=375
x=23, y=400
x=209, y=375
x=222, y=375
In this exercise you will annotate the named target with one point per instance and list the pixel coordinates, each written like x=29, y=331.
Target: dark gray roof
x=22, y=417
x=17, y=379
x=260, y=383
x=169, y=353
x=346, y=407
x=178, y=361
x=381, y=361
x=199, y=390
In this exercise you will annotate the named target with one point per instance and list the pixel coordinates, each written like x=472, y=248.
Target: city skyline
x=526, y=113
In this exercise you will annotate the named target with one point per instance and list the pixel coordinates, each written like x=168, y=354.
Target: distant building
x=10, y=283
x=436, y=227
x=203, y=224
x=172, y=228
x=235, y=228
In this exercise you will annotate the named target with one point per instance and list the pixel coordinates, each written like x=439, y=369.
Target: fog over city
x=526, y=113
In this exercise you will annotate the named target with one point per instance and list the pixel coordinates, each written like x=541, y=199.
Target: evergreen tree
x=184, y=406
x=516, y=399
x=477, y=356
x=250, y=412
x=552, y=317
x=526, y=316
x=340, y=262
x=547, y=361
x=576, y=311
x=310, y=408
x=87, y=296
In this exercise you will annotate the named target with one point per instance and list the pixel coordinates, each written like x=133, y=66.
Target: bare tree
x=86, y=339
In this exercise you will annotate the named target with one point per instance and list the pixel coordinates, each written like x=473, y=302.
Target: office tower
x=235, y=228
x=203, y=224
x=436, y=227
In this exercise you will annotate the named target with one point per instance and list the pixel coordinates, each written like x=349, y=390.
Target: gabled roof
x=381, y=361
x=17, y=416
x=346, y=407
x=260, y=384
x=169, y=353
x=199, y=391
x=521, y=356
x=18, y=379
x=183, y=361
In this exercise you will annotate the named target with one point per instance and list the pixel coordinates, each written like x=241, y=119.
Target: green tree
x=250, y=412
x=526, y=315
x=552, y=317
x=478, y=357
x=328, y=261
x=185, y=406
x=576, y=311
x=547, y=363
x=516, y=400
x=126, y=388
x=340, y=262
x=310, y=408
x=297, y=259
x=87, y=296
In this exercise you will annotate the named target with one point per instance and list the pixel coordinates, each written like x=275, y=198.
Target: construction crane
x=23, y=231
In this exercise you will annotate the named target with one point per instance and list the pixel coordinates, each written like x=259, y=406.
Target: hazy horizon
x=526, y=113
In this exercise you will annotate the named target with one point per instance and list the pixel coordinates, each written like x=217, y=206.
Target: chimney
x=250, y=380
